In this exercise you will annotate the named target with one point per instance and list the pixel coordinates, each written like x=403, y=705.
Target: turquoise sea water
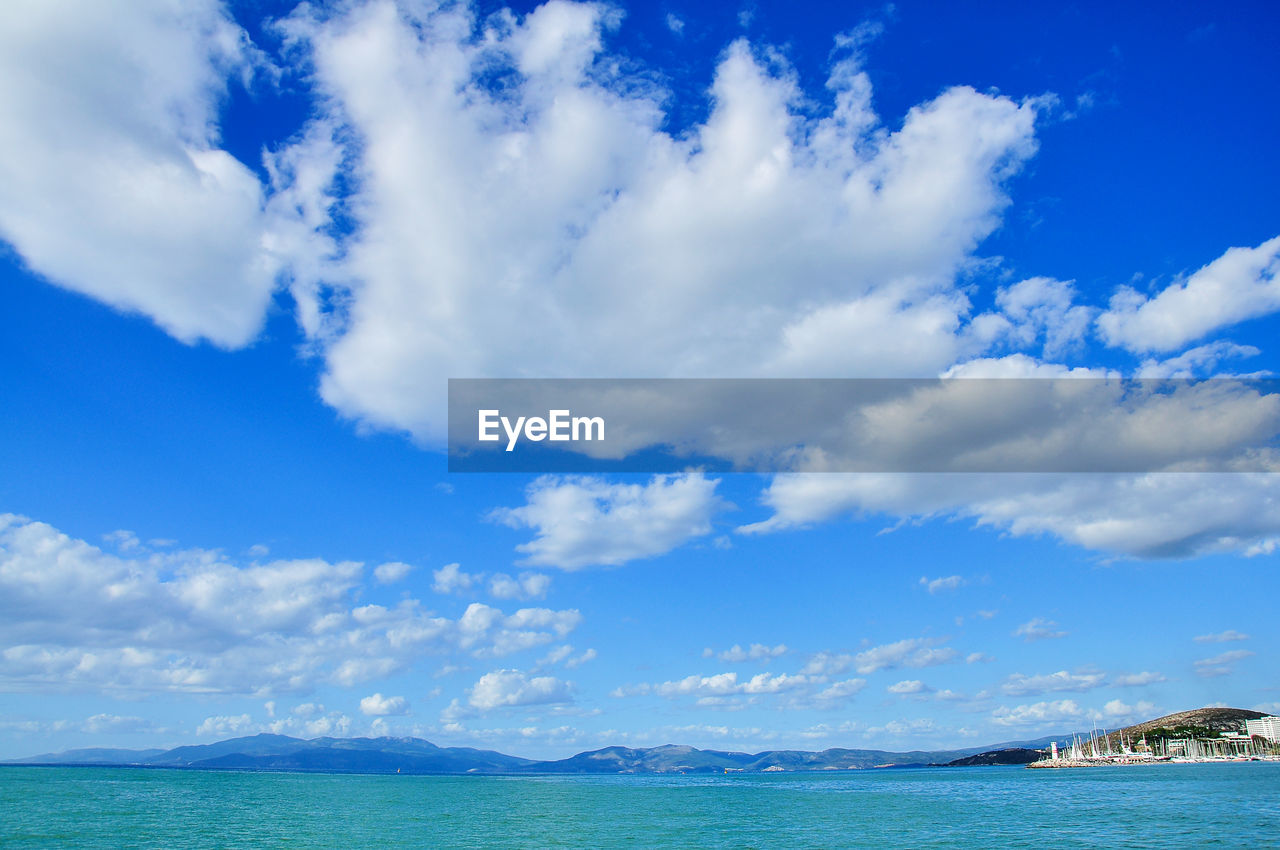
x=1230, y=805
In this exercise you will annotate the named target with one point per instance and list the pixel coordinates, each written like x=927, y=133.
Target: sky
x=245, y=246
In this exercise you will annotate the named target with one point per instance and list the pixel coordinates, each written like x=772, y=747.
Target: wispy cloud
x=1039, y=628
x=1020, y=685
x=755, y=652
x=1222, y=664
x=1222, y=637
x=938, y=585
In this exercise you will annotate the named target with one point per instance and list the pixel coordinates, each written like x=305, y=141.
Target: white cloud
x=1039, y=714
x=826, y=663
x=115, y=184
x=1021, y=685
x=333, y=724
x=512, y=688
x=1221, y=637
x=755, y=652
x=1146, y=677
x=1239, y=285
x=602, y=245
x=122, y=540
x=100, y=724
x=1157, y=515
x=939, y=585
x=488, y=632
x=376, y=705
x=1222, y=664
x=391, y=572
x=839, y=692
x=1118, y=710
x=909, y=687
x=1042, y=308
x=555, y=656
x=911, y=652
x=623, y=691
x=1039, y=628
x=527, y=586
x=726, y=684
x=223, y=726
x=582, y=521
x=451, y=579
x=902, y=728
x=74, y=617
x=1195, y=362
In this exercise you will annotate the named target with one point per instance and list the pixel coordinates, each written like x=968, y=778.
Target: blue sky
x=245, y=246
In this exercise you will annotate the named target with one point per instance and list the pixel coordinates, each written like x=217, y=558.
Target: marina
x=1256, y=740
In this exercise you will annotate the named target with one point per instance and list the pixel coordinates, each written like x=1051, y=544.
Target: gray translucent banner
x=864, y=425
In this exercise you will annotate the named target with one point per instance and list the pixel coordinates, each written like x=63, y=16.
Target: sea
x=1166, y=805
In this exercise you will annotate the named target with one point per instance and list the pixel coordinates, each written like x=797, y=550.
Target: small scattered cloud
x=839, y=692
x=451, y=579
x=527, y=585
x=107, y=724
x=827, y=663
x=938, y=585
x=755, y=652
x=507, y=688
x=1118, y=710
x=122, y=541
x=1020, y=685
x=1039, y=629
x=724, y=684
x=391, y=572
x=584, y=521
x=912, y=652
x=1220, y=665
x=376, y=705
x=1138, y=679
x=1222, y=637
x=1039, y=714
x=226, y=726
x=910, y=687
x=578, y=661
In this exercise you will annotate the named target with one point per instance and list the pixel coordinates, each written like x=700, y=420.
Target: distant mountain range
x=416, y=756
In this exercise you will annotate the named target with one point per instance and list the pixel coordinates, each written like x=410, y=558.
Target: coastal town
x=1177, y=739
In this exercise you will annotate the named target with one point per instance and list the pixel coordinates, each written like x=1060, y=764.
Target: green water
x=1230, y=805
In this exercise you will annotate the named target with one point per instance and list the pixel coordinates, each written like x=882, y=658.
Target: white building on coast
x=1264, y=727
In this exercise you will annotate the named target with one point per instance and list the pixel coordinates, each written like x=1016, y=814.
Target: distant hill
x=416, y=756
x=92, y=755
x=1205, y=722
x=678, y=759
x=1012, y=755
x=340, y=755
